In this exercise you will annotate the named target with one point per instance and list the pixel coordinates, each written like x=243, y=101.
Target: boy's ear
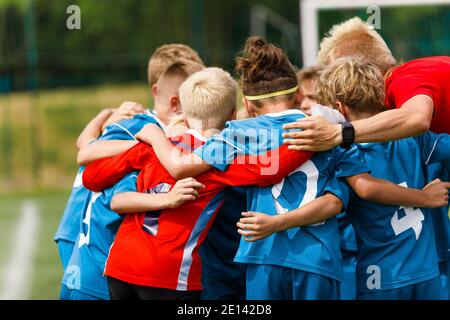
x=298, y=96
x=154, y=90
x=249, y=107
x=342, y=109
x=174, y=102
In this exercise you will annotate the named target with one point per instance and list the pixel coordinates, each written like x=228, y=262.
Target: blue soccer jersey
x=80, y=197
x=396, y=244
x=314, y=248
x=99, y=226
x=439, y=216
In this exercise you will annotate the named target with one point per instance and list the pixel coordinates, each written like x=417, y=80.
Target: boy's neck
x=275, y=108
x=158, y=109
x=197, y=126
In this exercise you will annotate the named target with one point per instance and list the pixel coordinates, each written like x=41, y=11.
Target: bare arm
x=176, y=163
x=93, y=129
x=256, y=226
x=103, y=149
x=382, y=191
x=132, y=202
x=413, y=118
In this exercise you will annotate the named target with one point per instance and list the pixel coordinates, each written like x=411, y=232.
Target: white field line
x=17, y=272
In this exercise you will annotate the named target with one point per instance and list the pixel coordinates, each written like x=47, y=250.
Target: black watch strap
x=348, y=135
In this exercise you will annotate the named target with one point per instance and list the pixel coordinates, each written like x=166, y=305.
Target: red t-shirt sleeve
x=412, y=79
x=405, y=88
x=261, y=170
x=106, y=172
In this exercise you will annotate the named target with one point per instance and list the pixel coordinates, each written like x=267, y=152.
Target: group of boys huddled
x=192, y=200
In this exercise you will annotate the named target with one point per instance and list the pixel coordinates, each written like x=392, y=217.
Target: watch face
x=347, y=133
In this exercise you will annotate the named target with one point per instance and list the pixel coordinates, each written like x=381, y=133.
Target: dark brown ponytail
x=264, y=68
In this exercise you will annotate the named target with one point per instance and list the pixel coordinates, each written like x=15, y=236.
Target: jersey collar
x=152, y=114
x=285, y=113
x=196, y=135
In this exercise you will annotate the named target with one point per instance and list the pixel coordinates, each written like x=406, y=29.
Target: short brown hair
x=167, y=54
x=308, y=73
x=264, y=68
x=183, y=68
x=355, y=83
x=356, y=38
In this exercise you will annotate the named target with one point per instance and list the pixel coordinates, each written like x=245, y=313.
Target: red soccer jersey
x=160, y=249
x=429, y=76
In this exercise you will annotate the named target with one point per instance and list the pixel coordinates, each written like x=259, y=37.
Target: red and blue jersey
x=160, y=249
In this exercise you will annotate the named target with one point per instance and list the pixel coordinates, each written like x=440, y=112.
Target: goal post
x=309, y=18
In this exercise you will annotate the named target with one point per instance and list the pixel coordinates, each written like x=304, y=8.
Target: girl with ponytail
x=267, y=78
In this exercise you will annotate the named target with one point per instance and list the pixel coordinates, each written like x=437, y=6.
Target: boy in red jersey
x=155, y=254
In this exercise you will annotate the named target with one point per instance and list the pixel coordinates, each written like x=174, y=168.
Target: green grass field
x=46, y=270
x=58, y=116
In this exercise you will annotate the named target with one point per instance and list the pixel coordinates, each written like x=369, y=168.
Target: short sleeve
x=127, y=129
x=220, y=150
x=340, y=189
x=349, y=163
x=434, y=147
x=127, y=184
x=409, y=80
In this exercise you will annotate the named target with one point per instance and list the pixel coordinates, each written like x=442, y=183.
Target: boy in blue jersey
x=397, y=255
x=441, y=225
x=307, y=79
x=302, y=264
x=79, y=198
x=81, y=201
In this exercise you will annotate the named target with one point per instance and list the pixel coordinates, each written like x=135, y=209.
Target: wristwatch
x=348, y=135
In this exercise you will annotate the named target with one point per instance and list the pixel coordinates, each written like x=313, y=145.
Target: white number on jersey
x=412, y=220
x=84, y=238
x=312, y=177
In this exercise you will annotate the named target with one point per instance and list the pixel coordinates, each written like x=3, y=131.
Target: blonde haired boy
x=111, y=141
x=155, y=254
x=398, y=240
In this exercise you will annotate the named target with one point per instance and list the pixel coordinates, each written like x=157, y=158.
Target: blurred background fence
x=53, y=80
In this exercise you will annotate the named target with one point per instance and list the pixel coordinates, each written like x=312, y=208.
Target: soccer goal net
x=411, y=28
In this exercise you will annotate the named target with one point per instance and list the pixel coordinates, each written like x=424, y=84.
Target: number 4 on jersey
x=413, y=219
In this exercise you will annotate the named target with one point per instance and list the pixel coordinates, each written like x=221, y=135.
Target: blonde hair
x=356, y=38
x=167, y=54
x=209, y=96
x=355, y=83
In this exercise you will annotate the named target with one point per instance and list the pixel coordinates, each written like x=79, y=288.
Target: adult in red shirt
x=417, y=91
